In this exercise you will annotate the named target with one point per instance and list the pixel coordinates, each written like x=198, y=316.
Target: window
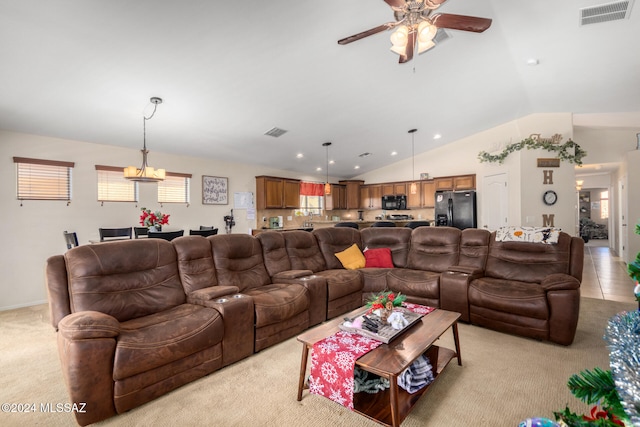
x=43, y=179
x=113, y=187
x=174, y=188
x=604, y=205
x=311, y=198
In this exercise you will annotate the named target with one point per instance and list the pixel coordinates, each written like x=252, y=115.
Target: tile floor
x=605, y=275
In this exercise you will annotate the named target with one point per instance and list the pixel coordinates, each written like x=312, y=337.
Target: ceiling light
x=413, y=188
x=327, y=186
x=299, y=155
x=318, y=169
x=356, y=167
x=145, y=173
x=437, y=136
x=532, y=61
x=394, y=153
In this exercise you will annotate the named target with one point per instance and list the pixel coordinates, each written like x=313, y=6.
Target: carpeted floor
x=504, y=379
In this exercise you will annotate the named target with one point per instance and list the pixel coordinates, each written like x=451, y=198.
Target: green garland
x=532, y=144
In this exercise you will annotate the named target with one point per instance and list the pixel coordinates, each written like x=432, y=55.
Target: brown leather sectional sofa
x=139, y=318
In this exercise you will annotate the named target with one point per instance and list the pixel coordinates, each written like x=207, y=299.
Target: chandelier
x=145, y=173
x=413, y=28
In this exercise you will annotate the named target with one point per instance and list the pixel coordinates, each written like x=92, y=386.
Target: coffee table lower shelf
x=375, y=406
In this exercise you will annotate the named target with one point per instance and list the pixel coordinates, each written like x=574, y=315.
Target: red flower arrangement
x=153, y=219
x=386, y=301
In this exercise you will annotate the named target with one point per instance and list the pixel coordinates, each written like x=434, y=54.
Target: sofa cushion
x=378, y=258
x=341, y=282
x=238, y=261
x=528, y=262
x=351, y=258
x=158, y=339
x=332, y=240
x=509, y=296
x=125, y=279
x=303, y=251
x=414, y=283
x=274, y=252
x=397, y=239
x=195, y=263
x=434, y=248
x=278, y=302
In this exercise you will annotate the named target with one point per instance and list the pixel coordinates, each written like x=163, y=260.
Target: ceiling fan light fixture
x=423, y=47
x=426, y=31
x=400, y=36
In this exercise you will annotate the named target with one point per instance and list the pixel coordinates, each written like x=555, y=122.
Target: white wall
x=33, y=232
x=632, y=159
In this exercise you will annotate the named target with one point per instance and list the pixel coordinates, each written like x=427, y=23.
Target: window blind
x=174, y=188
x=113, y=187
x=39, y=179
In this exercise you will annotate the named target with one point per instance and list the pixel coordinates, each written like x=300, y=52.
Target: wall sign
x=549, y=163
x=215, y=190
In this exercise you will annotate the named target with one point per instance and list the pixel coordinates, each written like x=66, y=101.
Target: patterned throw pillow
x=546, y=235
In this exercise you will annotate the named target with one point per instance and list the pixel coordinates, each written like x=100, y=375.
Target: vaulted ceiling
x=230, y=71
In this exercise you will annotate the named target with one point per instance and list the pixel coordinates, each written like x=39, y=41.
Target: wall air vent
x=275, y=132
x=606, y=12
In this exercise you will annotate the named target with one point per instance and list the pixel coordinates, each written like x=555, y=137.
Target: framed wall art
x=215, y=190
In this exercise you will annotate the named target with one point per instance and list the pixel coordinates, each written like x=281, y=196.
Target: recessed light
x=437, y=136
x=356, y=167
x=299, y=155
x=332, y=162
x=318, y=169
x=394, y=153
x=532, y=61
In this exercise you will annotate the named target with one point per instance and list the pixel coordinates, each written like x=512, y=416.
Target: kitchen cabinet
x=277, y=193
x=428, y=189
x=460, y=182
x=337, y=199
x=371, y=196
x=353, y=193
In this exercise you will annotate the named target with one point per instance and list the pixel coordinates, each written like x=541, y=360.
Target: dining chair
x=71, y=239
x=140, y=231
x=347, y=224
x=206, y=227
x=166, y=235
x=114, y=233
x=203, y=233
x=416, y=224
x=383, y=224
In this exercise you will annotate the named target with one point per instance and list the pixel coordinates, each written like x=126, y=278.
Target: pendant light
x=145, y=173
x=413, y=188
x=327, y=186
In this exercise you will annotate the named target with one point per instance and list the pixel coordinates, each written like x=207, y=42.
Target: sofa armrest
x=290, y=274
x=211, y=293
x=559, y=282
x=454, y=289
x=317, y=288
x=87, y=346
x=87, y=325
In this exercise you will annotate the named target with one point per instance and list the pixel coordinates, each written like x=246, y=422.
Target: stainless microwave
x=397, y=202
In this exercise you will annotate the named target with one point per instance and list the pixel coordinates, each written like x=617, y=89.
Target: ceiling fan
x=416, y=26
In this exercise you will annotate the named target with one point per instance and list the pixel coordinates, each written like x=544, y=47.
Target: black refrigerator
x=456, y=209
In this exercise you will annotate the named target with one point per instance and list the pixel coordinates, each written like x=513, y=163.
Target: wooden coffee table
x=390, y=407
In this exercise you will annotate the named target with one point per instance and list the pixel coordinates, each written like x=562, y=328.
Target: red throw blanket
x=334, y=358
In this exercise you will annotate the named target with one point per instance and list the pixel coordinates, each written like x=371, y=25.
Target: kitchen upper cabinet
x=428, y=190
x=460, y=182
x=277, y=193
x=371, y=196
x=353, y=193
x=337, y=199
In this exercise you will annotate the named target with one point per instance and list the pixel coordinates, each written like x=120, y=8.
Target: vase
x=155, y=228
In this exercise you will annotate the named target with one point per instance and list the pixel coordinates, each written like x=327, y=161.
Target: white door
x=495, y=201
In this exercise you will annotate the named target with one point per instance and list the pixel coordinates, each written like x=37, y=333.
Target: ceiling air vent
x=441, y=36
x=605, y=12
x=275, y=132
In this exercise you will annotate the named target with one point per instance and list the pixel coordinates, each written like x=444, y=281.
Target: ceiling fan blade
x=411, y=43
x=460, y=22
x=434, y=3
x=367, y=33
x=395, y=3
